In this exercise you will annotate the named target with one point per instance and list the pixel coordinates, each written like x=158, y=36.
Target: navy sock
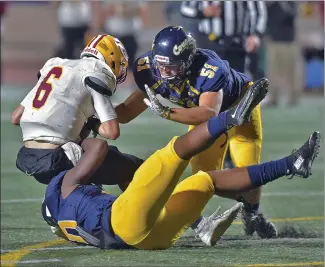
x=217, y=125
x=267, y=172
x=196, y=223
x=251, y=208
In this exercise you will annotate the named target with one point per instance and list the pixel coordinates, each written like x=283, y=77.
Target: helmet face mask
x=169, y=71
x=173, y=51
x=110, y=50
x=122, y=73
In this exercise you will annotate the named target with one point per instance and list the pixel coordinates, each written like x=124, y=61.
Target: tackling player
x=203, y=85
x=52, y=116
x=155, y=210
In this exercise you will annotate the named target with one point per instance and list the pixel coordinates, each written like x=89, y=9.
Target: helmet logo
x=180, y=48
x=91, y=50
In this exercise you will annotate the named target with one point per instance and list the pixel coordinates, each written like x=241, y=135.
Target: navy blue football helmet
x=172, y=52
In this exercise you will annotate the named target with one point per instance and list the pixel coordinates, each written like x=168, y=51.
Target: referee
x=230, y=28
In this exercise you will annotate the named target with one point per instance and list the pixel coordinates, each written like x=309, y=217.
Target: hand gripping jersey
x=208, y=73
x=60, y=103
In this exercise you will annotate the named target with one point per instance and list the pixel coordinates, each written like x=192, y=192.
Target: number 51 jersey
x=60, y=103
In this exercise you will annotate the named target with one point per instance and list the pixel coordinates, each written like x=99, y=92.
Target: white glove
x=154, y=104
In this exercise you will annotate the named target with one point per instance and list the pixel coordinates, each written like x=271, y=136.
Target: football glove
x=155, y=106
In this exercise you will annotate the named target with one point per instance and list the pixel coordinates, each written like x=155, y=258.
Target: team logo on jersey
x=180, y=48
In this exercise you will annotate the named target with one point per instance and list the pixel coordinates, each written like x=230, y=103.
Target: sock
x=250, y=208
x=218, y=125
x=196, y=223
x=267, y=172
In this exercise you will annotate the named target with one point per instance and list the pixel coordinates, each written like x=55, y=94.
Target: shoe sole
x=253, y=96
x=221, y=227
x=314, y=142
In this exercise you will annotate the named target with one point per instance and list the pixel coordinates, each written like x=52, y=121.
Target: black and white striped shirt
x=238, y=18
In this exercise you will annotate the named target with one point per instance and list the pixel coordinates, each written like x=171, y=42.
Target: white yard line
x=31, y=261
x=270, y=194
x=51, y=248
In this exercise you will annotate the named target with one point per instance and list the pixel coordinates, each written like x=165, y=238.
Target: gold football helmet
x=110, y=50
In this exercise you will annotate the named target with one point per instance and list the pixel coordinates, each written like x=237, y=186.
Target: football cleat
x=263, y=227
x=304, y=157
x=240, y=113
x=247, y=219
x=212, y=227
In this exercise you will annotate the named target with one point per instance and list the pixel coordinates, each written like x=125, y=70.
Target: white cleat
x=212, y=227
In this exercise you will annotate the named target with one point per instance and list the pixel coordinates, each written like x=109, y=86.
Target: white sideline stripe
x=30, y=261
x=46, y=249
x=270, y=194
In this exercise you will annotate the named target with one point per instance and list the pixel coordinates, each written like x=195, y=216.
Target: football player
x=68, y=93
x=203, y=85
x=155, y=209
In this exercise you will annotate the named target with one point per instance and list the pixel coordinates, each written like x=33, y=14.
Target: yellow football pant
x=154, y=211
x=245, y=146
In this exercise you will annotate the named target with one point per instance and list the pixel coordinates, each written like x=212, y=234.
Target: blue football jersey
x=208, y=73
x=88, y=208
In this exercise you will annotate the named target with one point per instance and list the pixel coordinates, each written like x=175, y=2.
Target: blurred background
x=33, y=31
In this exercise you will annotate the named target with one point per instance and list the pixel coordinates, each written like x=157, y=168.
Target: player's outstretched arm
x=108, y=125
x=209, y=106
x=95, y=151
x=131, y=108
x=16, y=114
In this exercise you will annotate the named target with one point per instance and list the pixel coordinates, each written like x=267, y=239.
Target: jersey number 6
x=45, y=88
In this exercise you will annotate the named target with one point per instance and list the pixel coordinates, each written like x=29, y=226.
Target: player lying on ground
x=155, y=210
x=203, y=85
x=68, y=93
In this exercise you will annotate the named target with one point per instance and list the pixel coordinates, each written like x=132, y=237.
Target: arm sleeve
x=28, y=98
x=192, y=9
x=103, y=106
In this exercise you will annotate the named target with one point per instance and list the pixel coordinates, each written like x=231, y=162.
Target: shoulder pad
x=143, y=73
x=104, y=70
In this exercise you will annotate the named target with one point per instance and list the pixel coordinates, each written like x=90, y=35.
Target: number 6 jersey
x=60, y=103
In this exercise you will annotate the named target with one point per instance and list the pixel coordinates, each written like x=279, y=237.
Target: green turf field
x=296, y=206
